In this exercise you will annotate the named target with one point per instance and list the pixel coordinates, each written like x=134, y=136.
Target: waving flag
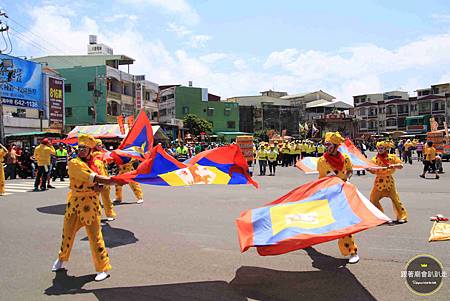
x=309, y=164
x=224, y=165
x=137, y=143
x=317, y=212
x=226, y=162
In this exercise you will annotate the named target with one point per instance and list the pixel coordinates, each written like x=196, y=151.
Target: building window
x=163, y=112
x=227, y=112
x=185, y=110
x=91, y=86
x=231, y=124
x=21, y=113
x=90, y=111
x=391, y=122
x=170, y=96
x=210, y=112
x=67, y=88
x=68, y=112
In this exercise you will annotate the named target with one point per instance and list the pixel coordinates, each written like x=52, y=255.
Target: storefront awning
x=111, y=131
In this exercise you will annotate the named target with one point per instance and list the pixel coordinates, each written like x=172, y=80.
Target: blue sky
x=242, y=47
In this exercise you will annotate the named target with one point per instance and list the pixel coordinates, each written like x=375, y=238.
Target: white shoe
x=110, y=219
x=354, y=258
x=101, y=276
x=140, y=201
x=57, y=265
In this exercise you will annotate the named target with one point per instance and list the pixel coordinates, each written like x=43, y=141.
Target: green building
x=96, y=91
x=178, y=101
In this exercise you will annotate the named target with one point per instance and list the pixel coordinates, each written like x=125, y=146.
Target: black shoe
x=36, y=189
x=50, y=186
x=43, y=189
x=437, y=177
x=422, y=176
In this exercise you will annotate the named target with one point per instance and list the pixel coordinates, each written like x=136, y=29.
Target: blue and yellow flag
x=320, y=211
x=137, y=143
x=223, y=165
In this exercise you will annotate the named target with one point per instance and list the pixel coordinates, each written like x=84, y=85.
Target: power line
x=41, y=38
x=27, y=40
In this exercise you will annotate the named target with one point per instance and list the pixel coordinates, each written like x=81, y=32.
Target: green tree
x=195, y=125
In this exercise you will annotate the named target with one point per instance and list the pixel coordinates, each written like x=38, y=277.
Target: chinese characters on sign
x=56, y=106
x=424, y=275
x=23, y=87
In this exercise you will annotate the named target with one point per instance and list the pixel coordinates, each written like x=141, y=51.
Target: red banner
x=56, y=104
x=121, y=124
x=130, y=121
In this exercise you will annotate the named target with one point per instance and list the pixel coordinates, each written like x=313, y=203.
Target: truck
x=441, y=142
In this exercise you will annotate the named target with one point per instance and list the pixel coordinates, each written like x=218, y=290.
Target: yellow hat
x=334, y=137
x=98, y=142
x=87, y=140
x=385, y=144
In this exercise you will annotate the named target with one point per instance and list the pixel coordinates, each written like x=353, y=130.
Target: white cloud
x=441, y=17
x=179, y=8
x=280, y=58
x=179, y=30
x=354, y=70
x=211, y=58
x=117, y=17
x=198, y=41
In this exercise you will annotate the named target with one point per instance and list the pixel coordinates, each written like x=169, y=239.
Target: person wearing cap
x=3, y=152
x=135, y=187
x=105, y=193
x=334, y=163
x=61, y=163
x=429, y=160
x=272, y=155
x=83, y=208
x=384, y=184
x=42, y=154
x=407, y=149
x=261, y=156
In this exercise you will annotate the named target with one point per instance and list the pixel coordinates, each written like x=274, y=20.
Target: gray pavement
x=181, y=244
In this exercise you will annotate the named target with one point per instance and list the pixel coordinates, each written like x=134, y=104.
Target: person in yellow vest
x=135, y=187
x=334, y=163
x=291, y=153
x=106, y=191
x=298, y=151
x=3, y=152
x=42, y=154
x=83, y=208
x=384, y=184
x=407, y=149
x=320, y=149
x=61, y=163
x=429, y=160
x=261, y=157
x=285, y=152
x=272, y=155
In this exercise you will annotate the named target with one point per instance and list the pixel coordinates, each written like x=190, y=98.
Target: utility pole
x=6, y=70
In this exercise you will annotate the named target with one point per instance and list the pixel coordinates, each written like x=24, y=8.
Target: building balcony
x=403, y=113
x=391, y=114
x=424, y=112
x=114, y=95
x=441, y=111
x=127, y=99
x=391, y=127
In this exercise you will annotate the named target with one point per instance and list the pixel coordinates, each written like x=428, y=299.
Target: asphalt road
x=181, y=244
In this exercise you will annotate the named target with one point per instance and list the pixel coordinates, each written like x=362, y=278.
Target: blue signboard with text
x=21, y=82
